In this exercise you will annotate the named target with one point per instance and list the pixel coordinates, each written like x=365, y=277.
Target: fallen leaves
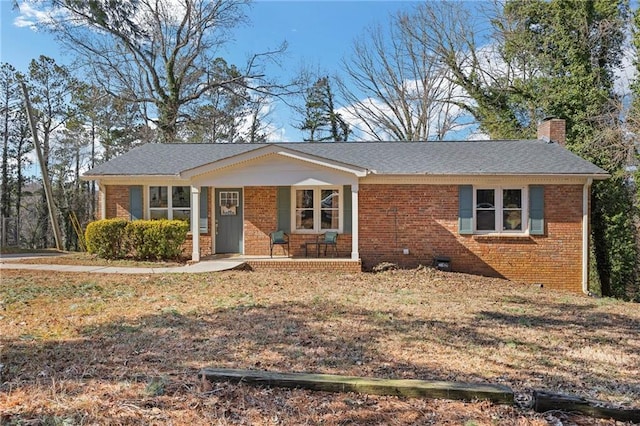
x=124, y=349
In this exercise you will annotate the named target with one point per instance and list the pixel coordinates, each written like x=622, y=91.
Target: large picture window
x=317, y=209
x=499, y=210
x=170, y=202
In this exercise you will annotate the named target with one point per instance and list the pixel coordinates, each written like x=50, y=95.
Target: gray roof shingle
x=508, y=157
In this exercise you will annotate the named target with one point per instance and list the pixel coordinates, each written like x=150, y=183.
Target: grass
x=83, y=258
x=118, y=349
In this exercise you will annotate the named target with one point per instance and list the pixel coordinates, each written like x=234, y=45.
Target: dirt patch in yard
x=118, y=349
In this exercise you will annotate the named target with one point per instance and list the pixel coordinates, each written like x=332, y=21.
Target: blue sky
x=319, y=34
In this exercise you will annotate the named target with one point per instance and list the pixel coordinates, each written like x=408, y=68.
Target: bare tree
x=156, y=53
x=396, y=89
x=446, y=33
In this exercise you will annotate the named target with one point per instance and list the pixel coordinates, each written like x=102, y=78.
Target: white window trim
x=498, y=191
x=317, y=191
x=169, y=207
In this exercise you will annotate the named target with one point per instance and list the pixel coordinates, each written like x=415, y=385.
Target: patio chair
x=278, y=238
x=328, y=239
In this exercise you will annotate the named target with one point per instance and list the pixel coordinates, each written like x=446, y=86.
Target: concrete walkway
x=9, y=262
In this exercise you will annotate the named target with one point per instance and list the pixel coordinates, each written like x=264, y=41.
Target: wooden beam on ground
x=332, y=383
x=547, y=401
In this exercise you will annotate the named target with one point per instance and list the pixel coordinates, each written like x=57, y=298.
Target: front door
x=228, y=226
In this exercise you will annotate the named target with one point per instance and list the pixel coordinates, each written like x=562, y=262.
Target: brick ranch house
x=517, y=209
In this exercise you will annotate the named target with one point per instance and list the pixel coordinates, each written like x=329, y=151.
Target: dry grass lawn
x=84, y=258
x=126, y=349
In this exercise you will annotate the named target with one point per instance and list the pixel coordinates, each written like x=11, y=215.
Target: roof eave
x=129, y=177
x=277, y=149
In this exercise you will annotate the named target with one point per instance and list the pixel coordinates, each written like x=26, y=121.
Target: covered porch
x=275, y=189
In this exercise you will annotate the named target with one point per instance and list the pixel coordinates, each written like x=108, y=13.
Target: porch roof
x=505, y=157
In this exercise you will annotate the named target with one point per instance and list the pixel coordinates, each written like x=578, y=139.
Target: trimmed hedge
x=105, y=238
x=140, y=239
x=156, y=239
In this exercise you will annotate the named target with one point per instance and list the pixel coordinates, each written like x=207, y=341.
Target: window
x=170, y=202
x=485, y=210
x=304, y=209
x=329, y=209
x=512, y=210
x=499, y=210
x=317, y=209
x=229, y=201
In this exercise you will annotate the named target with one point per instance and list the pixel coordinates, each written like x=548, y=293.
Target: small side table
x=306, y=248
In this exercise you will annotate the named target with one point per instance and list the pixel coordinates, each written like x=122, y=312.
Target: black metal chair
x=328, y=239
x=278, y=238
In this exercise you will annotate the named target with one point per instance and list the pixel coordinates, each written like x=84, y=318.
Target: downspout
x=585, y=235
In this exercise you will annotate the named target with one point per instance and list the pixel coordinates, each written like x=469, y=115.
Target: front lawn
x=123, y=349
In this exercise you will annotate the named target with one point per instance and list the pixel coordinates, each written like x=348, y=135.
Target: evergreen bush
x=140, y=239
x=105, y=238
x=156, y=239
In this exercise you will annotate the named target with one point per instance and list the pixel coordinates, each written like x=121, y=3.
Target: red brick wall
x=117, y=201
x=554, y=130
x=205, y=245
x=261, y=218
x=424, y=219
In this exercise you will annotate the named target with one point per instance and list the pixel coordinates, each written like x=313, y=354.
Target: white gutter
x=585, y=235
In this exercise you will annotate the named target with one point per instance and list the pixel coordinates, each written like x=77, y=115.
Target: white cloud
x=33, y=18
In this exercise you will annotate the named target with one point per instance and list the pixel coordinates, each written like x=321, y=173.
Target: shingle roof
x=513, y=157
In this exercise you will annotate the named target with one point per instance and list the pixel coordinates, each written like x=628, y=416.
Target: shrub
x=105, y=238
x=142, y=239
x=156, y=239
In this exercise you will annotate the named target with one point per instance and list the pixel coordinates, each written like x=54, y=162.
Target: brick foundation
x=308, y=265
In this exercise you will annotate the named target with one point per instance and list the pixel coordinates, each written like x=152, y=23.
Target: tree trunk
x=168, y=122
x=5, y=203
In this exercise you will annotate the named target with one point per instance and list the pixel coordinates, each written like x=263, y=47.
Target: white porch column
x=102, y=200
x=195, y=223
x=354, y=222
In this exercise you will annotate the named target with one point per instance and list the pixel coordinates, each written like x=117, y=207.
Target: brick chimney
x=553, y=130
